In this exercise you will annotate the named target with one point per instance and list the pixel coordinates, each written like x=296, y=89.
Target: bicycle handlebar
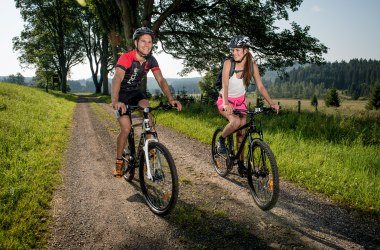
x=166, y=106
x=161, y=105
x=254, y=111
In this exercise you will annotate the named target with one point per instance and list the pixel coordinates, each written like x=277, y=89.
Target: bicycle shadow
x=137, y=197
x=236, y=179
x=194, y=228
x=305, y=215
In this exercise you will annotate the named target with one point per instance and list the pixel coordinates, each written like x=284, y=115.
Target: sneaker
x=242, y=170
x=118, y=172
x=221, y=146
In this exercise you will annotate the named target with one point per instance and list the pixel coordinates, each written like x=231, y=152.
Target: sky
x=349, y=28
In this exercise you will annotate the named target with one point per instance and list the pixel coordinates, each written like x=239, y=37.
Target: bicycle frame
x=143, y=143
x=260, y=169
x=252, y=129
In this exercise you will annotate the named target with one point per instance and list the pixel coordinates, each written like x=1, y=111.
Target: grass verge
x=35, y=128
x=337, y=156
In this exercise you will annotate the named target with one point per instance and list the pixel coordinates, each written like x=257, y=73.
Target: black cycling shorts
x=132, y=97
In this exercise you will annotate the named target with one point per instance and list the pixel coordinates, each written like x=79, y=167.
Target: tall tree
x=197, y=31
x=90, y=33
x=109, y=29
x=54, y=18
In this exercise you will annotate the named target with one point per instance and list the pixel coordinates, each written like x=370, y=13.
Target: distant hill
x=357, y=77
x=190, y=85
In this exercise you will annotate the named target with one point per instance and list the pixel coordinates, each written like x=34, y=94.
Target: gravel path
x=93, y=210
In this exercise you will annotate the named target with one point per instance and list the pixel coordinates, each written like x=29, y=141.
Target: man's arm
x=116, y=84
x=165, y=88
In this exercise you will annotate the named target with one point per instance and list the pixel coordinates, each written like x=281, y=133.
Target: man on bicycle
x=131, y=68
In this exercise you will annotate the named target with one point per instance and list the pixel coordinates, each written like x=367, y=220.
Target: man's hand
x=119, y=106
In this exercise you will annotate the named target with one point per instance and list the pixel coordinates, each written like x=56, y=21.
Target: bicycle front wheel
x=161, y=190
x=221, y=161
x=263, y=178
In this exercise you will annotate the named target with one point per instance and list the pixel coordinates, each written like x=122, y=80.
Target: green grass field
x=336, y=155
x=34, y=130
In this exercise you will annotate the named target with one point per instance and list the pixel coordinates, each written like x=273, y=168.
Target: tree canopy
x=196, y=31
x=49, y=37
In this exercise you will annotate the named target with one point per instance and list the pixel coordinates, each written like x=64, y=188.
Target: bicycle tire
x=263, y=177
x=161, y=193
x=221, y=162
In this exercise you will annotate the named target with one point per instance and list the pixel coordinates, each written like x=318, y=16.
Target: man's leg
x=125, y=128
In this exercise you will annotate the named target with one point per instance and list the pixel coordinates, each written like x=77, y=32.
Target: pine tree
x=314, y=102
x=374, y=98
x=332, y=98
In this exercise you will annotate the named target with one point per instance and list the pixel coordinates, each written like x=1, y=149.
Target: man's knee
x=125, y=131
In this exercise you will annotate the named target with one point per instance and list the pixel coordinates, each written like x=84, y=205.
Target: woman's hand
x=228, y=109
x=176, y=104
x=275, y=107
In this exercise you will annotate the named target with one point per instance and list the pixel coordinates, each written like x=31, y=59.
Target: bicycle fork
x=146, y=152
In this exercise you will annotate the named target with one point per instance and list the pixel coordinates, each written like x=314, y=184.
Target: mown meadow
x=335, y=154
x=34, y=131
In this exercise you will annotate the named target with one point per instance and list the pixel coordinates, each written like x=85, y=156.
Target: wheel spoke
x=161, y=191
x=221, y=161
x=263, y=178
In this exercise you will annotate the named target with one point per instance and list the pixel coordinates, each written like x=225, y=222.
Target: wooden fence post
x=299, y=106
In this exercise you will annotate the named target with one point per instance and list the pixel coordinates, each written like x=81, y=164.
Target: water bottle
x=146, y=124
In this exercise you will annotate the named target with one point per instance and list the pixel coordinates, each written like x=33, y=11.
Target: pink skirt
x=234, y=102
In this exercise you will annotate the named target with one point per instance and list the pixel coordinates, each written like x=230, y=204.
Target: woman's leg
x=233, y=124
x=240, y=137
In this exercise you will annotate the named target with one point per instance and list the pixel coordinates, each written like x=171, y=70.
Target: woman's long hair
x=248, y=69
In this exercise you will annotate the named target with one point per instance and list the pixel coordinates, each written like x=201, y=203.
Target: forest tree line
x=356, y=78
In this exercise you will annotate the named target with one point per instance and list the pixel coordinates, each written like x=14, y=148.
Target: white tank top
x=236, y=87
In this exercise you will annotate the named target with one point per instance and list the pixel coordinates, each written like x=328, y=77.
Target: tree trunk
x=63, y=80
x=129, y=12
x=104, y=63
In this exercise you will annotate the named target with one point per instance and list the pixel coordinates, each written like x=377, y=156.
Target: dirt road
x=93, y=210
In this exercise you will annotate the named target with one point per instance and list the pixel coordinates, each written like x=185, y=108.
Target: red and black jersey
x=134, y=71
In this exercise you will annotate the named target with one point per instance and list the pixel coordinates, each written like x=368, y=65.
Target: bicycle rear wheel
x=160, y=192
x=263, y=178
x=221, y=162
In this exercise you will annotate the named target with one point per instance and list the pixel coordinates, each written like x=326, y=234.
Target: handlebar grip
x=117, y=113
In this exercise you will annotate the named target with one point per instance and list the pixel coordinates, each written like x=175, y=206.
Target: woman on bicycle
x=232, y=94
x=131, y=68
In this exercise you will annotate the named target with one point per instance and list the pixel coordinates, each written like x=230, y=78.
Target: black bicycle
x=261, y=167
x=157, y=171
